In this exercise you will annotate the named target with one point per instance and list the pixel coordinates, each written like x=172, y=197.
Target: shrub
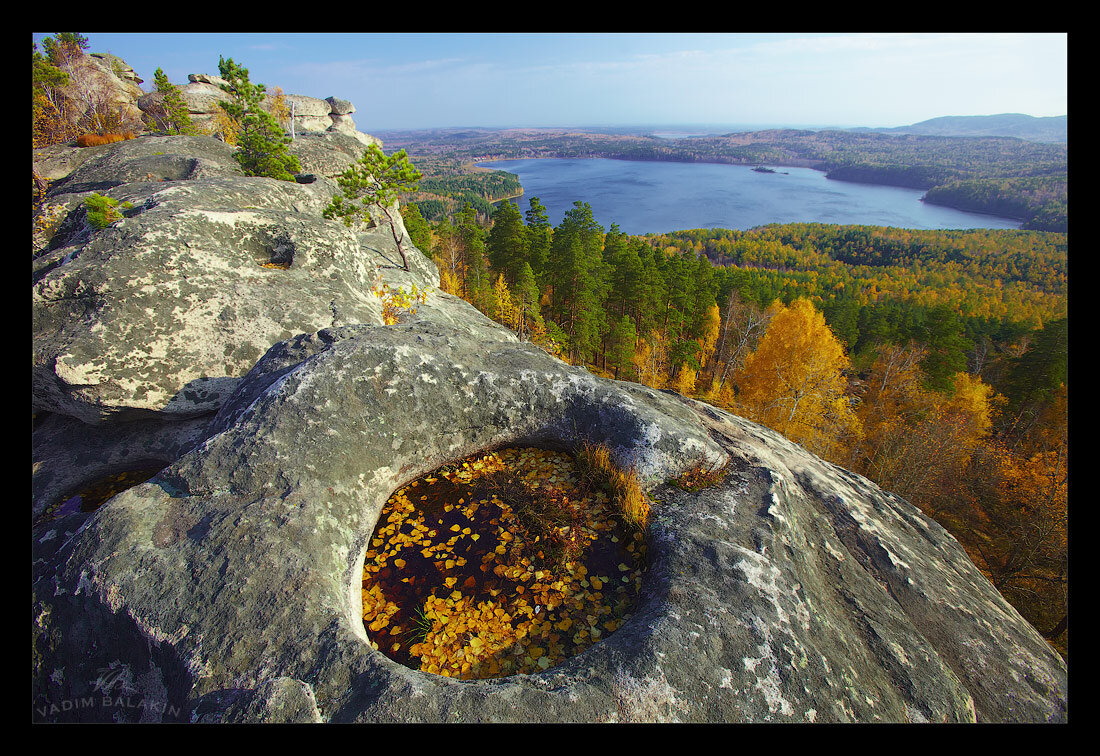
x=397, y=303
x=95, y=140
x=103, y=211
x=699, y=476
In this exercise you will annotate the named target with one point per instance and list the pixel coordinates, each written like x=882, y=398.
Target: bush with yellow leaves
x=397, y=302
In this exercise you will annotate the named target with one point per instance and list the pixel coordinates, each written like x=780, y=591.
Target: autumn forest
x=932, y=362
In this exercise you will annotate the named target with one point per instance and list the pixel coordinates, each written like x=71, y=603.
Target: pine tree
x=506, y=245
x=476, y=283
x=261, y=144
x=575, y=275
x=419, y=231
x=526, y=295
x=171, y=115
x=622, y=347
x=375, y=181
x=537, y=239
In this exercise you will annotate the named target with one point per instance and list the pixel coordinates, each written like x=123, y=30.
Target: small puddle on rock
x=94, y=495
x=504, y=563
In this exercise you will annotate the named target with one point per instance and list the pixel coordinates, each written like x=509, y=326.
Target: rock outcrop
x=203, y=92
x=226, y=588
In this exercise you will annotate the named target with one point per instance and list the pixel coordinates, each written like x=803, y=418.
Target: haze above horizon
x=421, y=81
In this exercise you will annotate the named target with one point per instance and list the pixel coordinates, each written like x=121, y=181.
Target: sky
x=418, y=81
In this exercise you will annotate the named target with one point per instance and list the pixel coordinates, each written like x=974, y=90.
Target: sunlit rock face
x=144, y=328
x=227, y=588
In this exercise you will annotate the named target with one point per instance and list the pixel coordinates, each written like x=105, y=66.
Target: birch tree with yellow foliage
x=794, y=382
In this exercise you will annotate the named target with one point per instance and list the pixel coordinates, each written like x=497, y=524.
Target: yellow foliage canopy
x=794, y=381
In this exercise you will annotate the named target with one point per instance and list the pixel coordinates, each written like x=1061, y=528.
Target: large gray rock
x=326, y=153
x=202, y=98
x=156, y=318
x=792, y=592
x=339, y=106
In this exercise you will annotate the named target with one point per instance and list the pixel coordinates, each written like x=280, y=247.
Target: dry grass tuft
x=699, y=476
x=539, y=512
x=95, y=140
x=595, y=465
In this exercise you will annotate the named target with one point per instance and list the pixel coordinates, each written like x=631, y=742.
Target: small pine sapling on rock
x=375, y=180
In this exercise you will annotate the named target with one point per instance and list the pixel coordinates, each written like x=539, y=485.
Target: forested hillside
x=933, y=362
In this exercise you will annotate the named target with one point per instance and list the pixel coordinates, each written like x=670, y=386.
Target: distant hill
x=1046, y=129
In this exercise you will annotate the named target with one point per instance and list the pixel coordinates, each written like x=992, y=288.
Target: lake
x=659, y=197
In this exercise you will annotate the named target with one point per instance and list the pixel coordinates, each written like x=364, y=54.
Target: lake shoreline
x=815, y=166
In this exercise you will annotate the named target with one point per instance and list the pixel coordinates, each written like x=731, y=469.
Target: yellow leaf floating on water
x=547, y=602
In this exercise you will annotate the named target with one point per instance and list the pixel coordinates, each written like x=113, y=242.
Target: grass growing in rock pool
x=699, y=476
x=594, y=462
x=506, y=563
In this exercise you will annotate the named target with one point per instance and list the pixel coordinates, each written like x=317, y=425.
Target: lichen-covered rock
x=156, y=318
x=326, y=153
x=310, y=113
x=340, y=107
x=165, y=309
x=792, y=592
x=153, y=158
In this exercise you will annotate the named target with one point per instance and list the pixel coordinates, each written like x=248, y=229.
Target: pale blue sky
x=433, y=80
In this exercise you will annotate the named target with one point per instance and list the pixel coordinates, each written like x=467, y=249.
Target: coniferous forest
x=934, y=363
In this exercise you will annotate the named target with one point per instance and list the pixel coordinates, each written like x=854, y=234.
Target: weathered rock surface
x=203, y=92
x=162, y=311
x=226, y=588
x=156, y=318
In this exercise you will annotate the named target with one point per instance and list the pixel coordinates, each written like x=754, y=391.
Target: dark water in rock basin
x=657, y=197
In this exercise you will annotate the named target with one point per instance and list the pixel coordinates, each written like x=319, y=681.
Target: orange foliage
x=95, y=140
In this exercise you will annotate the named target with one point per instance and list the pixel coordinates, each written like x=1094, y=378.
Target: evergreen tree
x=506, y=244
x=171, y=115
x=419, y=231
x=575, y=273
x=477, y=284
x=262, y=144
x=526, y=297
x=622, y=347
x=942, y=334
x=1035, y=377
x=537, y=243
x=374, y=181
